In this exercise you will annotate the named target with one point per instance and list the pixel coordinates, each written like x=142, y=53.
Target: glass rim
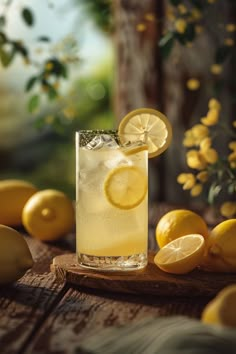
x=107, y=131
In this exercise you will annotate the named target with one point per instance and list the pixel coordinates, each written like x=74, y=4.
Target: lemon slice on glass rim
x=154, y=126
x=182, y=255
x=125, y=186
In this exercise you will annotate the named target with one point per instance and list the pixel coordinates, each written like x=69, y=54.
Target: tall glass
x=111, y=236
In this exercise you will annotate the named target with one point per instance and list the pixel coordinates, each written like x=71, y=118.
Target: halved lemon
x=125, y=187
x=181, y=255
x=152, y=124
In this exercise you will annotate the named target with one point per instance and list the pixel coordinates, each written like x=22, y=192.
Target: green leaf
x=166, y=44
x=231, y=188
x=27, y=16
x=20, y=49
x=44, y=39
x=190, y=32
x=39, y=123
x=3, y=38
x=33, y=103
x=198, y=4
x=30, y=83
x=218, y=87
x=52, y=93
x=64, y=71
x=175, y=2
x=214, y=191
x=2, y=21
x=221, y=54
x=181, y=38
x=6, y=57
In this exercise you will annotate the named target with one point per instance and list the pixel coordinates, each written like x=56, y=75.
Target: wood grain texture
x=24, y=303
x=81, y=314
x=150, y=281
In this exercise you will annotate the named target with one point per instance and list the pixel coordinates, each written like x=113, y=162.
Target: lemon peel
x=48, y=215
x=177, y=223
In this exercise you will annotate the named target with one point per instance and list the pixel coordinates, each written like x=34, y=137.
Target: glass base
x=118, y=263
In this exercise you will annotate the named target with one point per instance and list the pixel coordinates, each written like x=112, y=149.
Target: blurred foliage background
x=37, y=120
x=84, y=64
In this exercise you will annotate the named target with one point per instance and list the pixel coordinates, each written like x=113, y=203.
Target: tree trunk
x=138, y=73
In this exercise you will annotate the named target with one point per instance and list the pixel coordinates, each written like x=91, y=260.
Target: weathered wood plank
x=148, y=281
x=25, y=303
x=82, y=314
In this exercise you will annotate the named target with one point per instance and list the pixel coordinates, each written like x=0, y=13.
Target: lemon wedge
x=153, y=124
x=181, y=255
x=131, y=150
x=125, y=187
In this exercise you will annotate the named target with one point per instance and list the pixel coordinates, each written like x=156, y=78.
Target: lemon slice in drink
x=149, y=122
x=181, y=255
x=125, y=187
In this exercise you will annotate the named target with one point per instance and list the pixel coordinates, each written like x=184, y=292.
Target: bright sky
x=64, y=18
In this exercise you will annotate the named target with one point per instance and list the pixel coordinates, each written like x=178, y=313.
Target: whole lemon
x=48, y=215
x=222, y=309
x=15, y=256
x=13, y=196
x=221, y=247
x=177, y=223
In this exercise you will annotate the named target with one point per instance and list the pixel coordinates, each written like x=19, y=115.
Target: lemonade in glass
x=112, y=190
x=112, y=200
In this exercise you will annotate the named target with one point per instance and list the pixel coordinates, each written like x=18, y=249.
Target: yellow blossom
x=170, y=13
x=199, y=29
x=214, y=103
x=26, y=61
x=196, y=14
x=189, y=44
x=229, y=42
x=49, y=119
x=205, y=144
x=188, y=141
x=49, y=66
x=203, y=176
x=187, y=179
x=199, y=132
x=232, y=145
x=230, y=27
x=234, y=123
x=56, y=85
x=180, y=25
x=141, y=27
x=212, y=117
x=182, y=9
x=150, y=17
x=196, y=160
x=69, y=113
x=232, y=157
x=210, y=155
x=211, y=1
x=196, y=190
x=228, y=209
x=216, y=69
x=193, y=84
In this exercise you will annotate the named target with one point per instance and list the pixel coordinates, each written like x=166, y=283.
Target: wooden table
x=40, y=316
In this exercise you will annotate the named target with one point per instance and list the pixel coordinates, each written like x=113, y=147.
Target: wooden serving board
x=150, y=281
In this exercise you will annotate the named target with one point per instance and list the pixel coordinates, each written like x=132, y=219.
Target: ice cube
x=116, y=159
x=101, y=141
